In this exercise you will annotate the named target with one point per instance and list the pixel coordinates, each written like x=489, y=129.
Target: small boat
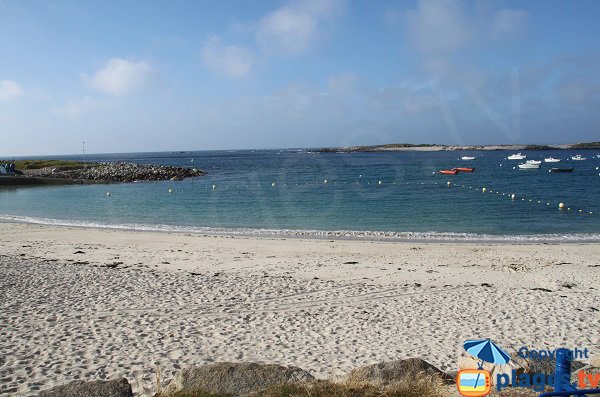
x=578, y=157
x=448, y=172
x=528, y=166
x=551, y=160
x=517, y=156
x=467, y=158
x=533, y=162
x=560, y=170
x=464, y=169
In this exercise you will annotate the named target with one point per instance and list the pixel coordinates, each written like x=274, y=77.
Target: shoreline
x=339, y=235
x=99, y=304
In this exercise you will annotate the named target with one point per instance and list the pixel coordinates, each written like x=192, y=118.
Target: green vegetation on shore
x=62, y=165
x=588, y=145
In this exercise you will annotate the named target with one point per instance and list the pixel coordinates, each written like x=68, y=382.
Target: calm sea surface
x=376, y=195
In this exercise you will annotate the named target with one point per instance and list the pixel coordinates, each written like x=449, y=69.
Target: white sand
x=65, y=315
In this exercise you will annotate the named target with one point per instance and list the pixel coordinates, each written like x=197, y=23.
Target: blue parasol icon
x=486, y=350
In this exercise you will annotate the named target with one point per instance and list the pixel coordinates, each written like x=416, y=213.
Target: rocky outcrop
x=235, y=379
x=385, y=373
x=111, y=388
x=118, y=172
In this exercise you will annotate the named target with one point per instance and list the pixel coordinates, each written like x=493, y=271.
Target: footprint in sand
x=175, y=354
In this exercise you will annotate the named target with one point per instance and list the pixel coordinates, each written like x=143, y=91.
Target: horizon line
x=302, y=148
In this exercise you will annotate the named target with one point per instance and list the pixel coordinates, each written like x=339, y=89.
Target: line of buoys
x=513, y=197
x=484, y=189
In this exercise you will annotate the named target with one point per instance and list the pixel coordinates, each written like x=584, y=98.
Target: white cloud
x=437, y=26
x=229, y=60
x=509, y=23
x=121, y=77
x=293, y=29
x=75, y=107
x=10, y=90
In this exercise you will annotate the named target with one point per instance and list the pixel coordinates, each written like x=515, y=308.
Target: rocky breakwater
x=121, y=172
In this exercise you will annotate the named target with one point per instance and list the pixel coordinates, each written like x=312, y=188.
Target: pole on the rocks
x=83, y=148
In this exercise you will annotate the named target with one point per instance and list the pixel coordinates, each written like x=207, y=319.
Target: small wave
x=318, y=234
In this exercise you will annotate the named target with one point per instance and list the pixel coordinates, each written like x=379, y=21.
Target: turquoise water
x=410, y=202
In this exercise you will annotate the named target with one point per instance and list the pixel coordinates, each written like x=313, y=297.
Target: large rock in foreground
x=235, y=379
x=111, y=388
x=389, y=372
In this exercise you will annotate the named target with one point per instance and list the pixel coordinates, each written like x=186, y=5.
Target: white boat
x=537, y=162
x=517, y=156
x=551, y=160
x=529, y=166
x=578, y=157
x=467, y=158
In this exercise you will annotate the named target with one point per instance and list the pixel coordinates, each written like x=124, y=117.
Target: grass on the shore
x=62, y=165
x=420, y=387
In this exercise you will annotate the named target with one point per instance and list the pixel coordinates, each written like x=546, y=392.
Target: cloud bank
x=121, y=77
x=295, y=28
x=10, y=90
x=291, y=30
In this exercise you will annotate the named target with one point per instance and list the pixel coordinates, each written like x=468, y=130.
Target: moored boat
x=533, y=162
x=517, y=156
x=529, y=166
x=578, y=157
x=467, y=158
x=560, y=170
x=448, y=172
x=551, y=160
x=464, y=169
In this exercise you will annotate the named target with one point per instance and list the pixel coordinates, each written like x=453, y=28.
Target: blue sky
x=127, y=76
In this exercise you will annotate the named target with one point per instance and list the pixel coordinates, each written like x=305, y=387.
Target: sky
x=135, y=76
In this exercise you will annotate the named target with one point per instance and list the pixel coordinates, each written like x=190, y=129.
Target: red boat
x=464, y=169
x=449, y=172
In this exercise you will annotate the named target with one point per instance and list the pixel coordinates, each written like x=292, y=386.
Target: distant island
x=432, y=147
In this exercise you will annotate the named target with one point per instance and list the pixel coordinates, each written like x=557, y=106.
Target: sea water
x=389, y=195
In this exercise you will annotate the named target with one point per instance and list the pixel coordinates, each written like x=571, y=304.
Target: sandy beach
x=81, y=303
